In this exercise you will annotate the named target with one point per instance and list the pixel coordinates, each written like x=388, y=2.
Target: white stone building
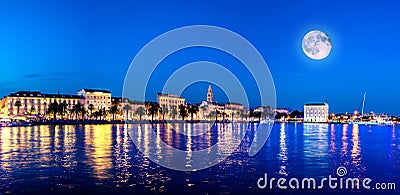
x=35, y=103
x=97, y=97
x=316, y=112
x=170, y=102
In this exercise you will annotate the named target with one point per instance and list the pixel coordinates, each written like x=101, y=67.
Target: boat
x=371, y=119
x=5, y=122
x=192, y=121
x=371, y=122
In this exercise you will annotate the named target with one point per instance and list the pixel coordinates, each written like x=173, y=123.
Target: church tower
x=210, y=95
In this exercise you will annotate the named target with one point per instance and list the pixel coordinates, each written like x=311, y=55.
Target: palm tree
x=83, y=112
x=74, y=111
x=251, y=114
x=62, y=108
x=241, y=114
x=192, y=109
x=164, y=110
x=71, y=112
x=213, y=114
x=153, y=109
x=257, y=114
x=174, y=112
x=91, y=108
x=127, y=107
x=224, y=115
x=95, y=114
x=114, y=108
x=78, y=109
x=140, y=111
x=203, y=109
x=18, y=105
x=103, y=113
x=53, y=109
x=217, y=113
x=147, y=106
x=45, y=107
x=182, y=111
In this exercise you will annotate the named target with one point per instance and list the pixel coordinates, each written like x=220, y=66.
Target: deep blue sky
x=54, y=45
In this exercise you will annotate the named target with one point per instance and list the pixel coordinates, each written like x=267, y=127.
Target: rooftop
x=316, y=104
x=96, y=90
x=233, y=103
x=43, y=95
x=168, y=95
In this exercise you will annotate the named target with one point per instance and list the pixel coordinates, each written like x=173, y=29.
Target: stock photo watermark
x=340, y=181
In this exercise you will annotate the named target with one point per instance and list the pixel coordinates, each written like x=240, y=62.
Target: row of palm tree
x=61, y=109
x=150, y=108
x=218, y=114
x=154, y=109
x=192, y=109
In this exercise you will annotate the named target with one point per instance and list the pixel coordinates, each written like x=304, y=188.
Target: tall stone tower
x=210, y=95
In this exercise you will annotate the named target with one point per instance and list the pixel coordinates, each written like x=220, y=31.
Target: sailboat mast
x=363, y=103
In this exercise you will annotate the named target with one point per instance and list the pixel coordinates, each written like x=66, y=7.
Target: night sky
x=56, y=46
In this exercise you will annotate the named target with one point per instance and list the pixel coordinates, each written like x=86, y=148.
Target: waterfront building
x=265, y=111
x=205, y=109
x=97, y=97
x=35, y=103
x=137, y=111
x=282, y=111
x=211, y=110
x=234, y=110
x=169, y=102
x=316, y=112
x=130, y=110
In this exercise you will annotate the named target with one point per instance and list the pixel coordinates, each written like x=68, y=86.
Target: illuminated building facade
x=169, y=102
x=97, y=97
x=35, y=103
x=316, y=112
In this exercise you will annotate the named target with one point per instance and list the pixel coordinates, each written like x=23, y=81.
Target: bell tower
x=210, y=95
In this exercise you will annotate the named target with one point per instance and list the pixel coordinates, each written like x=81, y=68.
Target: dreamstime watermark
x=330, y=182
x=137, y=83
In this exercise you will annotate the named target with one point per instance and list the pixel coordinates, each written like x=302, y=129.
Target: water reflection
x=356, y=149
x=345, y=143
x=283, y=149
x=101, y=157
x=160, y=142
x=395, y=147
x=98, y=150
x=315, y=145
x=332, y=144
x=122, y=158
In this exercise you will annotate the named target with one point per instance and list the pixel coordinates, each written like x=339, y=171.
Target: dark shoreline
x=101, y=122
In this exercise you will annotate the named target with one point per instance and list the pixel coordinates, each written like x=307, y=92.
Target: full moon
x=317, y=45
